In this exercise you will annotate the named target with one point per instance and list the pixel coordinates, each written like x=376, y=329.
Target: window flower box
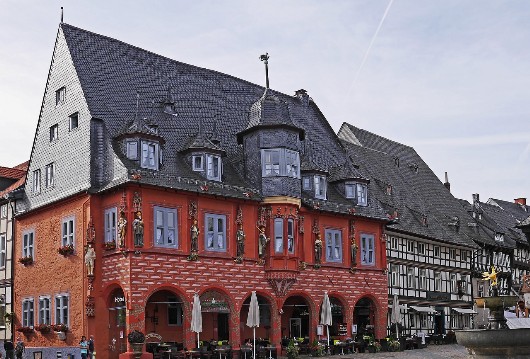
x=110, y=245
x=43, y=328
x=66, y=250
x=25, y=330
x=26, y=260
x=60, y=328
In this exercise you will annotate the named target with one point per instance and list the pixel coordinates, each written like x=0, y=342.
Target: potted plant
x=317, y=349
x=136, y=339
x=292, y=350
x=25, y=330
x=373, y=345
x=26, y=260
x=60, y=327
x=43, y=328
x=66, y=250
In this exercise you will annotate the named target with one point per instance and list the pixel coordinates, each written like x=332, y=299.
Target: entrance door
x=439, y=321
x=295, y=327
x=223, y=329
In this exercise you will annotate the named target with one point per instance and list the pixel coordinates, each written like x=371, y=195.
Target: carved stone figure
x=138, y=228
x=262, y=241
x=353, y=249
x=318, y=249
x=240, y=236
x=122, y=229
x=90, y=258
x=194, y=234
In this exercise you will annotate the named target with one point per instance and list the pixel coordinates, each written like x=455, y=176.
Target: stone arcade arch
x=364, y=315
x=296, y=317
x=266, y=327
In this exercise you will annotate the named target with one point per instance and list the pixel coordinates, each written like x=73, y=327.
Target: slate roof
x=416, y=192
x=518, y=211
x=111, y=73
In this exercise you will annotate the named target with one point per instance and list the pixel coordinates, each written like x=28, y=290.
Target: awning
x=423, y=309
x=464, y=310
x=516, y=323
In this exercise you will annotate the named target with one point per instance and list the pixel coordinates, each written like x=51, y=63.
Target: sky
x=449, y=78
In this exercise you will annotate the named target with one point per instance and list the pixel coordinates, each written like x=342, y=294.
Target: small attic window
x=197, y=162
x=350, y=190
x=320, y=186
x=152, y=129
x=499, y=237
x=73, y=121
x=396, y=161
x=213, y=167
x=306, y=183
x=150, y=155
x=414, y=167
x=60, y=96
x=362, y=194
x=132, y=150
x=54, y=132
x=389, y=189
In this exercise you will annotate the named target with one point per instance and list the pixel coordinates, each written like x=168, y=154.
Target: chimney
x=302, y=96
x=447, y=184
x=521, y=201
x=475, y=198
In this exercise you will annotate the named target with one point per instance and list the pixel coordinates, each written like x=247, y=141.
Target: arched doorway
x=164, y=315
x=296, y=317
x=364, y=316
x=117, y=333
x=265, y=319
x=215, y=316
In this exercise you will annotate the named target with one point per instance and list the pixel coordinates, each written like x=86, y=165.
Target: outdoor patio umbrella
x=325, y=314
x=196, y=317
x=253, y=318
x=395, y=315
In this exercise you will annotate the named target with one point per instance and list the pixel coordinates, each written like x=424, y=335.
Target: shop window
x=44, y=310
x=27, y=244
x=367, y=249
x=215, y=232
x=166, y=227
x=62, y=303
x=333, y=245
x=27, y=312
x=110, y=225
x=68, y=232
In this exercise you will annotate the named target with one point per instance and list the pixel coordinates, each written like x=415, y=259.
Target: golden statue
x=490, y=276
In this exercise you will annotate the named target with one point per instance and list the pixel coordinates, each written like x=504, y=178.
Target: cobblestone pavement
x=449, y=351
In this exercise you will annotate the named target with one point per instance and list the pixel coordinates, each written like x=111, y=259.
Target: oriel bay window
x=283, y=229
x=110, y=225
x=215, y=232
x=333, y=245
x=166, y=224
x=280, y=162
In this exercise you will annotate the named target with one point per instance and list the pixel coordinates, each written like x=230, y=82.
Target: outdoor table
x=245, y=350
x=221, y=351
x=270, y=348
x=191, y=352
x=341, y=345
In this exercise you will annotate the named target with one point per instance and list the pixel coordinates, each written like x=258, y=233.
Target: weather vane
x=265, y=59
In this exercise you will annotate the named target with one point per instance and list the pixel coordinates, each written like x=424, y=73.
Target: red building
x=216, y=190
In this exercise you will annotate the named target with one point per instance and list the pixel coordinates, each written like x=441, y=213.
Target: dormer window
x=306, y=183
x=280, y=162
x=150, y=155
x=350, y=191
x=320, y=186
x=213, y=170
x=60, y=95
x=499, y=237
x=132, y=150
x=197, y=162
x=54, y=132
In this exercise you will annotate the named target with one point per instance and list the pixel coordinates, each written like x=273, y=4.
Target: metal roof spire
x=265, y=59
x=62, y=15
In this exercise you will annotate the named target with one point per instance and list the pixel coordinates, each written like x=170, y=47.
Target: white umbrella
x=395, y=316
x=196, y=317
x=325, y=314
x=253, y=318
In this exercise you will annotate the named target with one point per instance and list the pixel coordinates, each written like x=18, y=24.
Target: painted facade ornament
x=240, y=237
x=353, y=245
x=138, y=229
x=90, y=259
x=300, y=224
x=122, y=229
x=90, y=232
x=192, y=209
x=318, y=251
x=137, y=202
x=90, y=306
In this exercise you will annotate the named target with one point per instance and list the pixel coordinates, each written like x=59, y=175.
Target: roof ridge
x=378, y=136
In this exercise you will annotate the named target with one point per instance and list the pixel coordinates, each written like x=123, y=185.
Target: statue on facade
x=318, y=249
x=262, y=242
x=194, y=234
x=240, y=237
x=353, y=252
x=122, y=229
x=90, y=258
x=138, y=228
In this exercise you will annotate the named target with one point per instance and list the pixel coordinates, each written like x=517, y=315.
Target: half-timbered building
x=429, y=246
x=151, y=180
